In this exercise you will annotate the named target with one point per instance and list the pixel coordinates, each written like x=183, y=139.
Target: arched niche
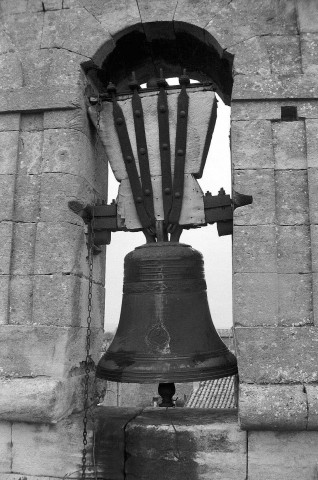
x=146, y=50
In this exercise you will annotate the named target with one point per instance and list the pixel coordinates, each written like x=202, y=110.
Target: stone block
x=198, y=13
x=30, y=152
x=255, y=299
x=309, y=46
x=10, y=8
x=315, y=297
x=4, y=299
x=284, y=54
x=289, y=145
x=312, y=399
x=74, y=119
x=61, y=300
x=272, y=407
x=42, y=399
x=251, y=144
x=312, y=142
x=292, y=205
x=117, y=17
x=254, y=249
x=27, y=201
x=21, y=300
x=31, y=122
x=293, y=249
x=23, y=248
x=186, y=443
x=307, y=16
x=45, y=351
x=7, y=185
x=282, y=455
x=69, y=151
x=295, y=306
x=45, y=449
x=9, y=121
x=60, y=247
x=275, y=87
x=11, y=71
x=251, y=57
x=75, y=30
x=313, y=194
x=57, y=190
x=25, y=31
x=5, y=251
x=261, y=185
x=267, y=110
x=8, y=152
x=314, y=247
x=277, y=354
x=52, y=5
x=5, y=447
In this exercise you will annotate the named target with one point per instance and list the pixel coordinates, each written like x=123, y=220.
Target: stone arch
x=146, y=50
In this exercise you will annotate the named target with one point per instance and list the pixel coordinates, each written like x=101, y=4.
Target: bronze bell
x=165, y=332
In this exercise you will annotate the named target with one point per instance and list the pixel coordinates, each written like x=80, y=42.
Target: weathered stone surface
x=254, y=249
x=314, y=247
x=295, y=299
x=312, y=399
x=61, y=300
x=251, y=144
x=5, y=447
x=57, y=189
x=75, y=119
x=5, y=251
x=40, y=98
x=277, y=355
x=8, y=152
x=75, y=30
x=292, y=197
x=253, y=87
x=272, y=407
x=9, y=121
x=313, y=194
x=266, y=110
x=208, y=441
x=312, y=142
x=251, y=57
x=261, y=185
x=70, y=151
x=30, y=152
x=117, y=16
x=289, y=139
x=42, y=399
x=307, y=15
x=31, y=122
x=27, y=204
x=7, y=184
x=293, y=249
x=315, y=297
x=23, y=248
x=25, y=30
x=197, y=13
x=21, y=300
x=255, y=299
x=282, y=455
x=4, y=296
x=309, y=45
x=11, y=71
x=284, y=54
x=49, y=351
x=36, y=448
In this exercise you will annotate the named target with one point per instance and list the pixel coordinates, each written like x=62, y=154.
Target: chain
x=88, y=360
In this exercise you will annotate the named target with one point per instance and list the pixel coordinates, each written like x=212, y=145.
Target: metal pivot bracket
x=101, y=217
x=219, y=208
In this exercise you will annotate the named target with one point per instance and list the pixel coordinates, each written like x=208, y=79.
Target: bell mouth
x=138, y=368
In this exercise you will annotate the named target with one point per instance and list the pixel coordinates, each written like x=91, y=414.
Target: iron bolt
x=139, y=200
x=182, y=113
x=177, y=195
x=137, y=113
x=142, y=151
x=180, y=152
x=167, y=191
x=119, y=121
x=162, y=108
x=165, y=146
x=128, y=159
x=147, y=192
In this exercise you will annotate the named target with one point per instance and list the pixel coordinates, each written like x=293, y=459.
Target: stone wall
x=49, y=155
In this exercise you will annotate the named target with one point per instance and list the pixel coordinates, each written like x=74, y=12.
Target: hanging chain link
x=89, y=364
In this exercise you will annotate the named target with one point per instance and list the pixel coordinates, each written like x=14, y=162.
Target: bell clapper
x=166, y=392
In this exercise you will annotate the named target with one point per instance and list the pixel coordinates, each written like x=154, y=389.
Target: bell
x=165, y=332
